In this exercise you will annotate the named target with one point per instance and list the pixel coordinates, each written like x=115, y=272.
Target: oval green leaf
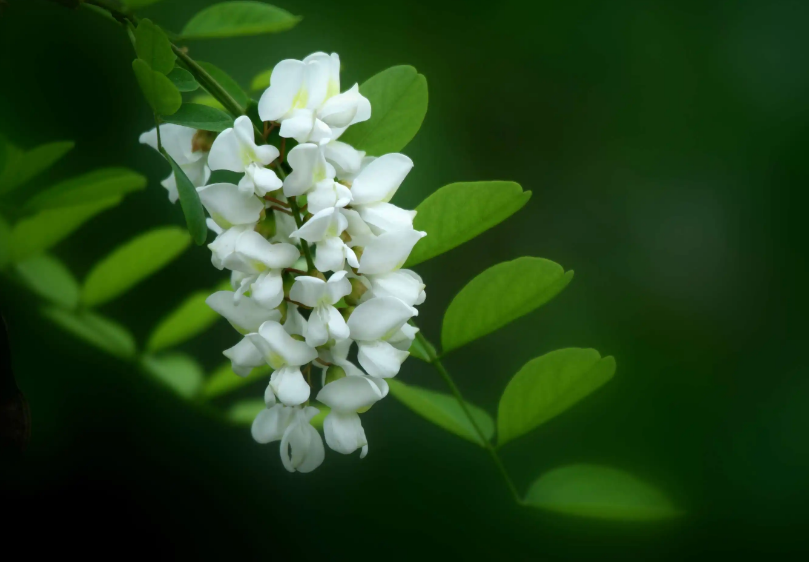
x=96, y=330
x=132, y=263
x=22, y=166
x=229, y=84
x=189, y=319
x=398, y=99
x=233, y=19
x=183, y=79
x=178, y=371
x=88, y=188
x=261, y=81
x=161, y=94
x=224, y=380
x=500, y=295
x=190, y=203
x=153, y=47
x=458, y=212
x=202, y=117
x=599, y=492
x=50, y=278
x=547, y=386
x=207, y=100
x=443, y=410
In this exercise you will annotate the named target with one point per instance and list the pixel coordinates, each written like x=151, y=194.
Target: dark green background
x=665, y=146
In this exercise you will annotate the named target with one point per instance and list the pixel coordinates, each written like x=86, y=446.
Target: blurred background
x=665, y=147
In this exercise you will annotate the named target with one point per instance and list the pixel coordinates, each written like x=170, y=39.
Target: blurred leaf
x=600, y=492
x=443, y=410
x=131, y=263
x=161, y=94
x=190, y=203
x=202, y=117
x=547, y=386
x=178, y=371
x=153, y=47
x=136, y=4
x=22, y=166
x=229, y=84
x=261, y=81
x=183, y=79
x=398, y=99
x=210, y=101
x=49, y=278
x=224, y=380
x=500, y=295
x=5, y=243
x=192, y=317
x=458, y=212
x=88, y=188
x=422, y=349
x=94, y=329
x=317, y=421
x=245, y=411
x=35, y=234
x=233, y=19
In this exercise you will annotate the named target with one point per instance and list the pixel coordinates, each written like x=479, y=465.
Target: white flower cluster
x=293, y=316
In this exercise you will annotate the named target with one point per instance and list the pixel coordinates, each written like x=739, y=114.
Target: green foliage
x=137, y=4
x=35, y=234
x=233, y=19
x=398, y=99
x=131, y=263
x=443, y=410
x=21, y=166
x=245, y=411
x=51, y=279
x=207, y=100
x=161, y=94
x=182, y=79
x=224, y=380
x=458, y=212
x=88, y=188
x=229, y=84
x=153, y=47
x=178, y=371
x=422, y=349
x=547, y=386
x=5, y=243
x=499, y=295
x=261, y=81
x=189, y=201
x=199, y=116
x=189, y=319
x=599, y=492
x=94, y=329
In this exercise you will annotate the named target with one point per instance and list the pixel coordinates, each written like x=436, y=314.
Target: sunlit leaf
x=88, y=188
x=153, y=47
x=599, y=492
x=208, y=100
x=189, y=319
x=94, y=329
x=190, y=203
x=131, y=263
x=245, y=411
x=261, y=81
x=398, y=99
x=178, y=371
x=460, y=211
x=51, y=279
x=161, y=94
x=35, y=234
x=233, y=19
x=183, y=79
x=229, y=84
x=22, y=166
x=224, y=380
x=547, y=386
x=500, y=295
x=443, y=410
x=5, y=243
x=199, y=116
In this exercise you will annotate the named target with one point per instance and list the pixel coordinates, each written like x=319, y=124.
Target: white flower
x=325, y=321
x=375, y=186
x=371, y=324
x=178, y=142
x=244, y=357
x=404, y=284
x=245, y=315
x=345, y=397
x=389, y=251
x=309, y=168
x=225, y=241
x=229, y=206
x=235, y=149
x=403, y=339
x=301, y=445
x=285, y=355
x=324, y=229
x=347, y=161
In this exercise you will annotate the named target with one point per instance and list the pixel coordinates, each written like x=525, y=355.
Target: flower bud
x=333, y=373
x=358, y=289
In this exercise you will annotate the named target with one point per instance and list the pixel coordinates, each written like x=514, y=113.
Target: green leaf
x=22, y=166
x=183, y=79
x=88, y=188
x=189, y=319
x=137, y=4
x=224, y=380
x=35, y=234
x=547, y=386
x=443, y=410
x=245, y=411
x=233, y=19
x=202, y=117
x=458, y=212
x=131, y=263
x=599, y=492
x=101, y=332
x=178, y=371
x=153, y=47
x=5, y=243
x=190, y=203
x=229, y=84
x=161, y=94
x=210, y=101
x=422, y=349
x=398, y=97
x=261, y=81
x=49, y=278
x=500, y=295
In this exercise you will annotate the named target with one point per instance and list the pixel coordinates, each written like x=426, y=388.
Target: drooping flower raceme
x=315, y=250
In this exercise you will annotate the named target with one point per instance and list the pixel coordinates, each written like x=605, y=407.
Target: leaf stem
x=209, y=83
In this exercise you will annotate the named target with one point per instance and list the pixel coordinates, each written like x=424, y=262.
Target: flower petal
x=349, y=394
x=380, y=359
x=244, y=357
x=378, y=318
x=229, y=206
x=307, y=290
x=285, y=83
x=389, y=251
x=268, y=289
x=289, y=386
x=226, y=152
x=283, y=348
x=271, y=423
x=387, y=217
x=245, y=317
x=344, y=157
x=344, y=432
x=378, y=182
